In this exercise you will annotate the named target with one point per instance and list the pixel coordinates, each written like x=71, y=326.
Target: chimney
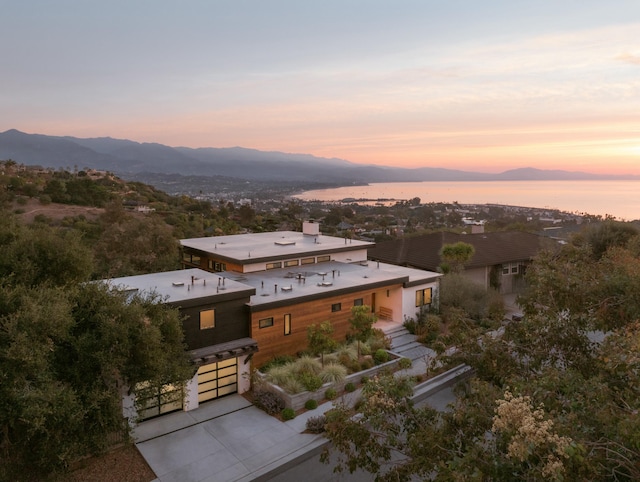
x=310, y=228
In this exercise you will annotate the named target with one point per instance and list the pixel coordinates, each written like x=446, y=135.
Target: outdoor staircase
x=404, y=344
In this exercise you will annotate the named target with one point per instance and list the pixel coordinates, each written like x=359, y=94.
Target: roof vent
x=287, y=288
x=285, y=242
x=178, y=283
x=325, y=283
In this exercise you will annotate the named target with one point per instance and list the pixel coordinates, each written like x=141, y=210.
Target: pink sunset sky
x=480, y=86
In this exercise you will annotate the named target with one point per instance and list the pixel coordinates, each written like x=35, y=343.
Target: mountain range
x=125, y=158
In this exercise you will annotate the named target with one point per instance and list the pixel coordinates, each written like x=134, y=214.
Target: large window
x=265, y=322
x=276, y=265
x=287, y=324
x=358, y=302
x=308, y=260
x=291, y=262
x=207, y=319
x=423, y=297
x=324, y=259
x=336, y=307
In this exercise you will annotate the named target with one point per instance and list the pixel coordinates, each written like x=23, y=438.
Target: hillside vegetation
x=129, y=227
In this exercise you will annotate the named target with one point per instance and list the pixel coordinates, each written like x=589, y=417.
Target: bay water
x=620, y=199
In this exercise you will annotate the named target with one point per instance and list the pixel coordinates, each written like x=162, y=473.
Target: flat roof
x=293, y=285
x=179, y=286
x=416, y=276
x=254, y=247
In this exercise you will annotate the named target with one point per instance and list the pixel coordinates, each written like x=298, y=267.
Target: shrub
x=365, y=348
x=333, y=373
x=307, y=364
x=460, y=292
x=364, y=380
x=280, y=374
x=310, y=381
x=410, y=324
x=292, y=385
x=288, y=414
x=349, y=387
x=405, y=363
x=268, y=401
x=495, y=309
x=279, y=360
x=331, y=393
x=381, y=356
x=316, y=424
x=379, y=340
x=311, y=404
x=347, y=352
x=366, y=363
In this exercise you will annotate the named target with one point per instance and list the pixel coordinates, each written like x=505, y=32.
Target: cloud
x=628, y=58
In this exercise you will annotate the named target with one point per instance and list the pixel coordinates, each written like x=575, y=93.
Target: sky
x=460, y=84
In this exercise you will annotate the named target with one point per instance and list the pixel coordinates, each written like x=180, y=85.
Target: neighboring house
x=500, y=258
x=247, y=298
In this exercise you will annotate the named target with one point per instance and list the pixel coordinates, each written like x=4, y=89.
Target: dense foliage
x=556, y=396
x=68, y=349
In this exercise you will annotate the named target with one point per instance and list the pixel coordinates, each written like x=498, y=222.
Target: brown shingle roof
x=490, y=249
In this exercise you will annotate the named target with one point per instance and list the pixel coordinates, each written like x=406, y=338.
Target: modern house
x=500, y=259
x=247, y=298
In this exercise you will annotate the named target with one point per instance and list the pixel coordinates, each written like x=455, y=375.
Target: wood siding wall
x=272, y=340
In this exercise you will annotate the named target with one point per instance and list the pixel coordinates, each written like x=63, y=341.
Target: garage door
x=157, y=401
x=217, y=379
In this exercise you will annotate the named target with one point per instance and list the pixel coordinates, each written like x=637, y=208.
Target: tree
x=456, y=255
x=361, y=322
x=606, y=235
x=320, y=338
x=547, y=403
x=67, y=349
x=37, y=255
x=133, y=246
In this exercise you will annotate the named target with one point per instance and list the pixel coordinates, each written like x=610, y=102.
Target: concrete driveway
x=224, y=440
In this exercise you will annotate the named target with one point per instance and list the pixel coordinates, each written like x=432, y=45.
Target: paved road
x=312, y=470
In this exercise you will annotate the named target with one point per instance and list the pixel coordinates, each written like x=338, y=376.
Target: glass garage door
x=217, y=379
x=158, y=401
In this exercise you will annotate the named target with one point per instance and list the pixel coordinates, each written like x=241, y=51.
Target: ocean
x=620, y=199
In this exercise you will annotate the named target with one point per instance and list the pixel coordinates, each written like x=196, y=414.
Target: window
x=293, y=262
x=207, y=319
x=216, y=266
x=191, y=258
x=287, y=324
x=324, y=259
x=277, y=264
x=336, y=307
x=308, y=260
x=358, y=302
x=423, y=297
x=510, y=268
x=265, y=322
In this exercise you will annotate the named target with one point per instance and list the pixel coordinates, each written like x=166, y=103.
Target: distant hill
x=126, y=157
